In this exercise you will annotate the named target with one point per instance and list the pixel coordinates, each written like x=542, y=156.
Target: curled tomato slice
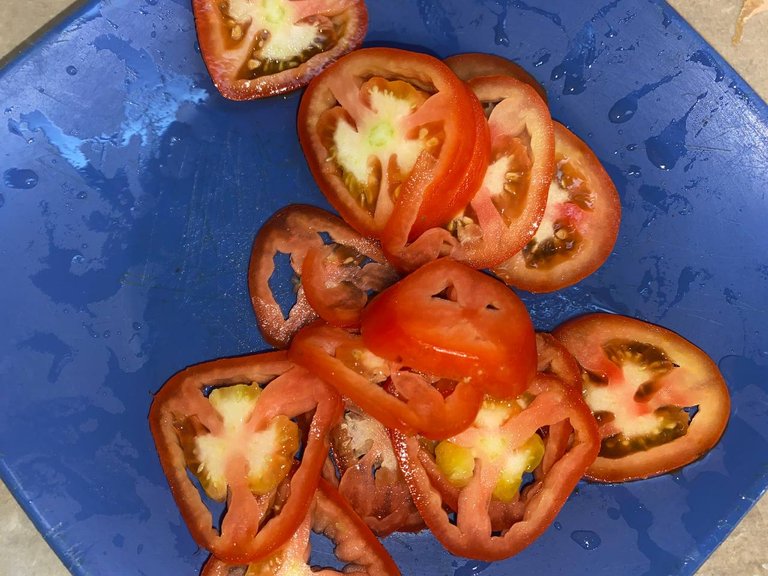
x=254, y=49
x=579, y=227
x=381, y=123
x=342, y=268
x=451, y=321
x=370, y=478
x=660, y=401
x=331, y=516
x=486, y=493
x=412, y=402
x=231, y=424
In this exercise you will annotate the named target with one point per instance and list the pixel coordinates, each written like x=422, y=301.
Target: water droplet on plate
x=82, y=195
x=71, y=70
x=20, y=178
x=586, y=539
x=78, y=259
x=557, y=526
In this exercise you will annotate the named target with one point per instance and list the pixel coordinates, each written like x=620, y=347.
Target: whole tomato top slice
x=333, y=271
x=381, y=123
x=452, y=321
x=232, y=424
x=580, y=224
x=331, y=516
x=258, y=48
x=492, y=477
x=660, y=401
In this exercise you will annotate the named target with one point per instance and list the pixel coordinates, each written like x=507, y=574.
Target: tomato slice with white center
x=502, y=216
x=484, y=493
x=342, y=269
x=393, y=394
x=451, y=321
x=580, y=224
x=231, y=423
x=331, y=516
x=470, y=65
x=258, y=48
x=381, y=123
x=370, y=478
x=660, y=401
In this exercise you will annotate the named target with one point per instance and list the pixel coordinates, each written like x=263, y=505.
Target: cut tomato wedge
x=580, y=224
x=381, y=123
x=254, y=49
x=413, y=402
x=330, y=515
x=660, y=401
x=342, y=269
x=451, y=321
x=370, y=478
x=484, y=493
x=231, y=424
x=471, y=65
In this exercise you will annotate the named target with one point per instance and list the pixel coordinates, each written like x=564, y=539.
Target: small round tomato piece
x=451, y=321
x=579, y=227
x=470, y=65
x=660, y=401
x=258, y=48
x=382, y=123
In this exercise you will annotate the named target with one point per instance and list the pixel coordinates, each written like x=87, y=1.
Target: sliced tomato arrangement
x=451, y=321
x=231, y=424
x=661, y=402
x=479, y=475
x=471, y=65
x=331, y=516
x=254, y=49
x=371, y=480
x=383, y=124
x=580, y=224
x=342, y=269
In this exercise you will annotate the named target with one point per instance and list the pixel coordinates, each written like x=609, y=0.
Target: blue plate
x=132, y=191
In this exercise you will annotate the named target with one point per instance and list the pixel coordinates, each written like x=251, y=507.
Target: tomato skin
x=471, y=65
x=480, y=330
x=319, y=347
x=331, y=515
x=224, y=61
x=593, y=215
x=291, y=391
x=298, y=230
x=449, y=105
x=477, y=516
x=689, y=377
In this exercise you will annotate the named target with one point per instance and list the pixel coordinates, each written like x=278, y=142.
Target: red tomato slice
x=580, y=224
x=332, y=289
x=451, y=321
x=418, y=403
x=331, y=516
x=660, y=401
x=472, y=65
x=215, y=421
x=504, y=213
x=555, y=359
x=381, y=123
x=258, y=49
x=482, y=474
x=370, y=478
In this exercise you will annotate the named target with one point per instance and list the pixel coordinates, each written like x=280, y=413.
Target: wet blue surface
x=129, y=199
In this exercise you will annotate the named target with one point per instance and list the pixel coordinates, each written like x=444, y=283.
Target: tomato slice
x=413, y=401
x=370, y=478
x=451, y=321
x=580, y=224
x=331, y=516
x=506, y=209
x=334, y=289
x=490, y=477
x=382, y=123
x=660, y=401
x=254, y=49
x=470, y=65
x=230, y=423
x=555, y=359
